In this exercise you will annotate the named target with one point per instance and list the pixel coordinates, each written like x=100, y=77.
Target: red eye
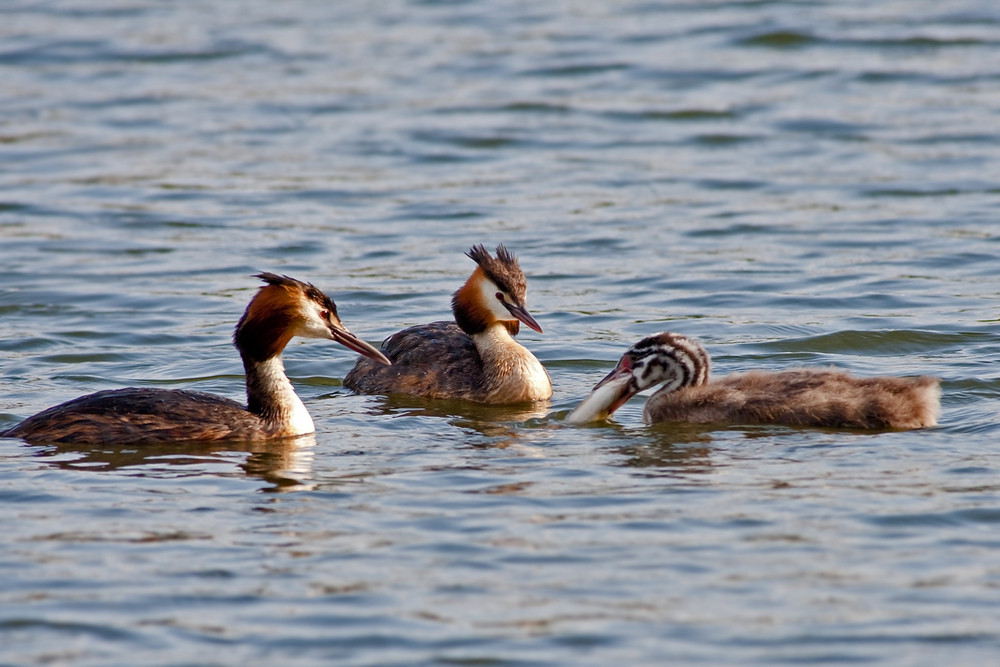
x=499, y=296
x=325, y=314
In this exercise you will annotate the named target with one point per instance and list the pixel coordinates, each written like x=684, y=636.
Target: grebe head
x=285, y=307
x=495, y=292
x=670, y=359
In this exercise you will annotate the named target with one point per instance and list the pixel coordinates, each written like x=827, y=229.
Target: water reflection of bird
x=281, y=309
x=801, y=397
x=474, y=358
x=284, y=464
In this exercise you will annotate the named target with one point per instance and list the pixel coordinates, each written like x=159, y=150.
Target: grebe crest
x=495, y=292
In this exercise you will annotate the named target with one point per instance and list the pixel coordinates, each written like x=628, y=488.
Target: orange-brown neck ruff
x=471, y=314
x=268, y=323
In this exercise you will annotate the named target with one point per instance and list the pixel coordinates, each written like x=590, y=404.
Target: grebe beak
x=619, y=383
x=347, y=339
x=607, y=395
x=523, y=315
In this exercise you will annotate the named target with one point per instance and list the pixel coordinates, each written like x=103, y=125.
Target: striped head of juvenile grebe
x=495, y=292
x=670, y=359
x=666, y=358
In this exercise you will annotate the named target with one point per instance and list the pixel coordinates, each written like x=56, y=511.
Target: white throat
x=295, y=419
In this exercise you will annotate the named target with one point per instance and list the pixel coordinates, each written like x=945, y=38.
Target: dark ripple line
x=925, y=78
x=75, y=52
x=786, y=39
x=59, y=10
x=575, y=70
x=67, y=627
x=901, y=342
x=976, y=515
x=925, y=192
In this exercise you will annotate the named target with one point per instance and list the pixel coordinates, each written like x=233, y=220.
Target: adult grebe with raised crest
x=474, y=358
x=802, y=397
x=283, y=308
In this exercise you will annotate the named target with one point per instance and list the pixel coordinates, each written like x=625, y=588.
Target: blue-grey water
x=791, y=182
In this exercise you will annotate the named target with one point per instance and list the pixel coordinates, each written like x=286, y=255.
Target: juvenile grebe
x=476, y=359
x=802, y=397
x=281, y=309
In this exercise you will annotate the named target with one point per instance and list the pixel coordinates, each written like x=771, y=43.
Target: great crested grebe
x=281, y=309
x=801, y=397
x=474, y=358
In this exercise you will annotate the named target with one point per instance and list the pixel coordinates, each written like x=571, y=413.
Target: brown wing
x=436, y=360
x=140, y=415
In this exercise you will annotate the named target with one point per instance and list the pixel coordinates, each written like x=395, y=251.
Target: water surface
x=791, y=183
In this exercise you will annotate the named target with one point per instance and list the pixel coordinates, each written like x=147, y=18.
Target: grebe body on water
x=802, y=397
x=281, y=309
x=474, y=358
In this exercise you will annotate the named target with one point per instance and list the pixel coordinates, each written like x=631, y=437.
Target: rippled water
x=792, y=183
